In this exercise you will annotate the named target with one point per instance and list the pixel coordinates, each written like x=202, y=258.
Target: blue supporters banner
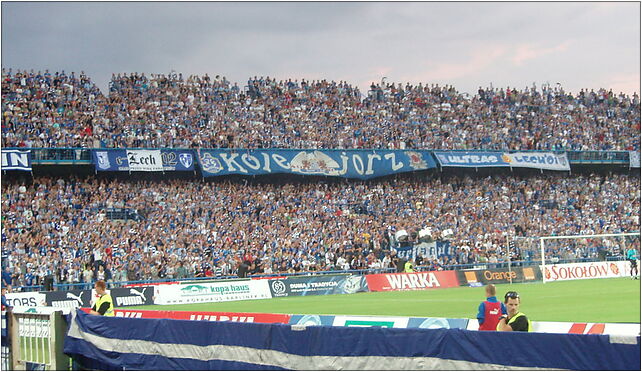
x=127, y=160
x=361, y=164
x=433, y=250
x=538, y=160
x=535, y=159
x=167, y=344
x=16, y=160
x=318, y=285
x=470, y=159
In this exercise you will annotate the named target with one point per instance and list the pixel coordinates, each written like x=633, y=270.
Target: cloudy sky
x=580, y=45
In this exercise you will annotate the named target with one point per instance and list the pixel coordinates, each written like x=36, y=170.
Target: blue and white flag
x=538, y=160
x=16, y=160
x=478, y=159
x=167, y=344
x=126, y=160
x=470, y=159
x=361, y=164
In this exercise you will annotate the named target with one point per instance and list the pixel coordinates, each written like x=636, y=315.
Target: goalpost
x=588, y=245
x=543, y=238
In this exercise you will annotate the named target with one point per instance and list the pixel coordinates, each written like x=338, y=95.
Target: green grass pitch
x=592, y=301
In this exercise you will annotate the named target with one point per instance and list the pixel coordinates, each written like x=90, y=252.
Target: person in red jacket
x=490, y=310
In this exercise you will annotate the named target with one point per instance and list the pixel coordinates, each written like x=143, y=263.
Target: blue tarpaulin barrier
x=165, y=344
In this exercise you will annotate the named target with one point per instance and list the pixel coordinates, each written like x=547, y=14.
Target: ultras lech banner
x=70, y=299
x=361, y=164
x=495, y=276
x=126, y=160
x=537, y=160
x=318, y=285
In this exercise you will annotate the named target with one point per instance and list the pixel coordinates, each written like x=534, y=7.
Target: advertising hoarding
x=409, y=281
x=318, y=285
x=30, y=299
x=205, y=315
x=69, y=299
x=212, y=292
x=495, y=276
x=585, y=270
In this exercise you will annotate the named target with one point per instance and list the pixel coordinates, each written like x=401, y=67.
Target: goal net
x=559, y=250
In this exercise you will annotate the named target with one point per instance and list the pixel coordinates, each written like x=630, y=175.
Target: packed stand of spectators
x=48, y=109
x=60, y=227
x=59, y=110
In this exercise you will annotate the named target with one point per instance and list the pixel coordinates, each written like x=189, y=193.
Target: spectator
x=181, y=271
x=7, y=277
x=5, y=303
x=88, y=276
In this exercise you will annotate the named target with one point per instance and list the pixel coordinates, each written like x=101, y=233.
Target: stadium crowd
x=68, y=110
x=59, y=226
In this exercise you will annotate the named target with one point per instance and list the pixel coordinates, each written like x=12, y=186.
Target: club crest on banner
x=210, y=163
x=314, y=163
x=416, y=160
x=186, y=159
x=103, y=159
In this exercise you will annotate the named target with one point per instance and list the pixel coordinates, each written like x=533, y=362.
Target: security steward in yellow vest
x=515, y=320
x=105, y=304
x=407, y=267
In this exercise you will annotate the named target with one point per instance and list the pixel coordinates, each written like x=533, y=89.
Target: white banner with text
x=212, y=292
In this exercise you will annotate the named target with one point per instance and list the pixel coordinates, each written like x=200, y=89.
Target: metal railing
x=58, y=155
x=37, y=341
x=598, y=157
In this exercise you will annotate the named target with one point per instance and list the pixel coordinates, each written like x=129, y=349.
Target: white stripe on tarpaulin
x=627, y=340
x=276, y=358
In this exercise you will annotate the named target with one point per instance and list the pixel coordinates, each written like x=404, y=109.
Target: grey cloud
x=333, y=40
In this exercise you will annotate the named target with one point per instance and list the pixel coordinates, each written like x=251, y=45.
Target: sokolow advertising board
x=127, y=160
x=69, y=299
x=362, y=164
x=494, y=276
x=405, y=281
x=16, y=160
x=585, y=270
x=211, y=292
x=318, y=285
x=537, y=160
x=378, y=321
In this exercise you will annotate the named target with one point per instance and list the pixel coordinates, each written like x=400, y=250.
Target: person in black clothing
x=514, y=320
